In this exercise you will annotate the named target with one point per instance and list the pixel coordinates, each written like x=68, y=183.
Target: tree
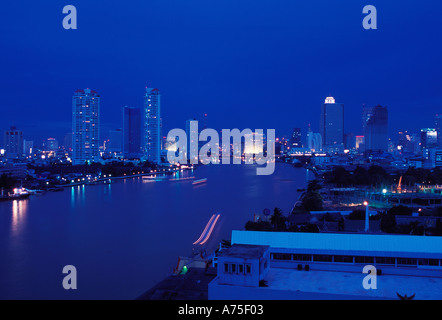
x=357, y=214
x=360, y=176
x=314, y=185
x=258, y=226
x=312, y=201
x=278, y=220
x=400, y=210
x=7, y=182
x=388, y=223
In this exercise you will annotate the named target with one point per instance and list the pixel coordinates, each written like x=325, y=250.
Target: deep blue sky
x=246, y=63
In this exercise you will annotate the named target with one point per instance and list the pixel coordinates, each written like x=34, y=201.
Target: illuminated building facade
x=85, y=126
x=152, y=125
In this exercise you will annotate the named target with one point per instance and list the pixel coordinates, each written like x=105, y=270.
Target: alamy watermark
x=184, y=147
x=70, y=281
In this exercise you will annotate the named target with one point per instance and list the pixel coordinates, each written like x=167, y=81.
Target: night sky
x=246, y=63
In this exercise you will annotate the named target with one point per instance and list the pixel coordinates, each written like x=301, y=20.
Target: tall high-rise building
x=131, y=132
x=332, y=124
x=296, y=138
x=376, y=129
x=85, y=126
x=115, y=141
x=152, y=125
x=13, y=142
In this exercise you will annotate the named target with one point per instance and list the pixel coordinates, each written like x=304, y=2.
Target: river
x=126, y=236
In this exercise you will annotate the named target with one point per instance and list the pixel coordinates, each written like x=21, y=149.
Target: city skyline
x=229, y=70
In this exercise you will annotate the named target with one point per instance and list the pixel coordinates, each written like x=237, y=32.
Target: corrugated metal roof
x=375, y=244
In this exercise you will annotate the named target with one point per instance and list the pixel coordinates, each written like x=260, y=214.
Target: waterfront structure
x=13, y=142
x=332, y=125
x=131, y=131
x=85, y=126
x=16, y=170
x=376, y=129
x=152, y=125
x=327, y=266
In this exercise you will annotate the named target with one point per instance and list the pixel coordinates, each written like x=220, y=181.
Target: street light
x=366, y=216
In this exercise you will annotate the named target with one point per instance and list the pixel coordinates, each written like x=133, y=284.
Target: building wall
x=131, y=131
x=332, y=124
x=152, y=125
x=85, y=126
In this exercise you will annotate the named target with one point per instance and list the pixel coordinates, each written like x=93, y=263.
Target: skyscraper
x=85, y=126
x=152, y=125
x=13, y=142
x=131, y=131
x=296, y=138
x=376, y=129
x=332, y=125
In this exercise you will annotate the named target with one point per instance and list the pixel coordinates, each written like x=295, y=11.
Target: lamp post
x=366, y=216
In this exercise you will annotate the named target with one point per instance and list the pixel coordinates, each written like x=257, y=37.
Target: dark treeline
x=377, y=175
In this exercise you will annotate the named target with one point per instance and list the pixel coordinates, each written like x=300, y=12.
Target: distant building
x=28, y=147
x=438, y=127
x=51, y=144
x=314, y=141
x=192, y=140
x=405, y=141
x=115, y=141
x=85, y=126
x=376, y=129
x=332, y=125
x=152, y=125
x=131, y=131
x=296, y=138
x=13, y=142
x=359, y=142
x=67, y=142
x=428, y=138
x=349, y=141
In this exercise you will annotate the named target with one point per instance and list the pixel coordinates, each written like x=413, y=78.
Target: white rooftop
x=379, y=244
x=350, y=284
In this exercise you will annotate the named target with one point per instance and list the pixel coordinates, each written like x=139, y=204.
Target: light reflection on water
x=19, y=208
x=126, y=236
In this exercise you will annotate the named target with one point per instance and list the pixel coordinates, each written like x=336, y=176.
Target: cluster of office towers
x=141, y=133
x=332, y=137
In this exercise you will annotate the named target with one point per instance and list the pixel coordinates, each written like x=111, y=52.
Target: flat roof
x=348, y=283
x=244, y=251
x=353, y=244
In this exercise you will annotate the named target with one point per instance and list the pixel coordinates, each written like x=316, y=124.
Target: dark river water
x=126, y=236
